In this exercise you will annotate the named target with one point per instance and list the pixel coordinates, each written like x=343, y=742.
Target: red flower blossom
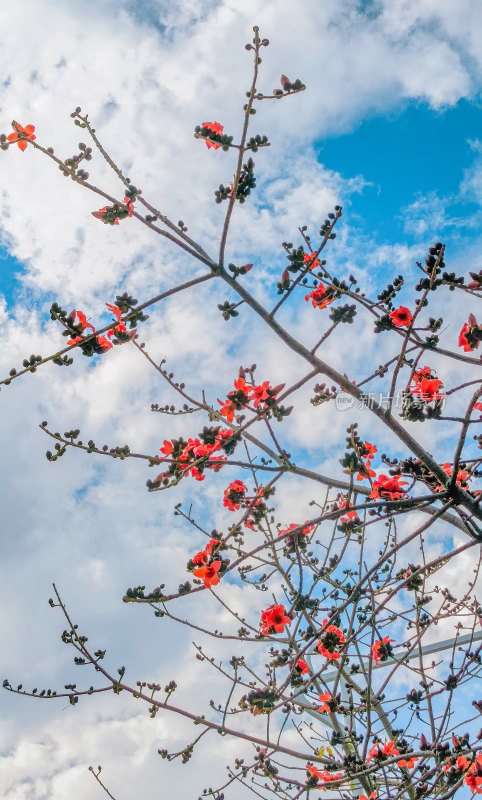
x=401, y=317
x=302, y=666
x=371, y=796
x=428, y=389
x=120, y=327
x=307, y=258
x=331, y=639
x=385, y=650
x=200, y=558
x=167, y=448
x=82, y=321
x=274, y=617
x=315, y=772
x=27, y=132
x=304, y=532
x=100, y=215
x=386, y=487
x=409, y=762
x=478, y=406
x=234, y=495
x=350, y=514
x=320, y=297
x=104, y=343
x=366, y=471
x=215, y=127
x=130, y=206
x=209, y=574
x=325, y=699
x=386, y=751
x=473, y=778
x=371, y=448
x=260, y=393
x=326, y=777
x=236, y=400
x=469, y=343
x=462, y=475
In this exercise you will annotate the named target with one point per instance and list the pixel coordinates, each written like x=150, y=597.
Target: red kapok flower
x=473, y=778
x=409, y=762
x=428, y=389
x=130, y=207
x=371, y=796
x=103, y=342
x=209, y=574
x=331, y=639
x=200, y=558
x=27, y=132
x=470, y=342
x=377, y=751
x=401, y=317
x=274, y=617
x=478, y=406
x=315, y=772
x=304, y=531
x=381, y=649
x=215, y=127
x=325, y=699
x=234, y=495
x=320, y=297
x=308, y=257
x=371, y=448
x=462, y=475
x=386, y=487
x=302, y=666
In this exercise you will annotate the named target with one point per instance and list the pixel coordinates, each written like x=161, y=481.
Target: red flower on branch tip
x=381, y=649
x=274, y=617
x=409, y=762
x=401, y=317
x=302, y=666
x=371, y=448
x=215, y=127
x=234, y=495
x=428, y=389
x=200, y=558
x=326, y=777
x=462, y=476
x=82, y=321
x=377, y=751
x=478, y=406
x=307, y=258
x=385, y=487
x=120, y=327
x=325, y=699
x=104, y=343
x=209, y=574
x=100, y=214
x=304, y=531
x=27, y=133
x=371, y=796
x=320, y=297
x=130, y=206
x=471, y=327
x=167, y=448
x=332, y=638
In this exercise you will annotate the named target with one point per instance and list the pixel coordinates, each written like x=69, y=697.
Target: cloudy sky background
x=390, y=126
